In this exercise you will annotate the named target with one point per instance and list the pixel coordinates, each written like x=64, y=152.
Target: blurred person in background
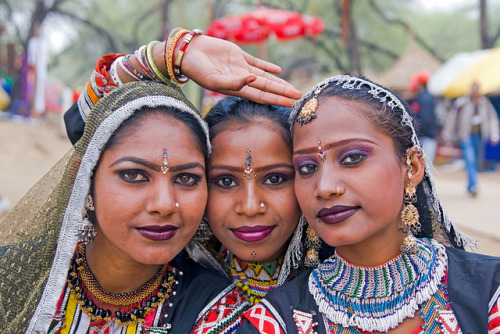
x=473, y=121
x=37, y=71
x=424, y=112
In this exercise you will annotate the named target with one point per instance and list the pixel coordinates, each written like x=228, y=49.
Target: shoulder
x=461, y=101
x=293, y=289
x=198, y=277
x=474, y=271
x=473, y=285
x=467, y=258
x=198, y=289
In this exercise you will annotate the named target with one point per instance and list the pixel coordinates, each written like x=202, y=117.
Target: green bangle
x=153, y=66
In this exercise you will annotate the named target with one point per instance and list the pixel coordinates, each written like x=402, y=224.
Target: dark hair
x=140, y=114
x=239, y=110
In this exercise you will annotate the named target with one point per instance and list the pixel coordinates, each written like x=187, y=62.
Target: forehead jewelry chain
x=164, y=166
x=321, y=153
x=248, y=166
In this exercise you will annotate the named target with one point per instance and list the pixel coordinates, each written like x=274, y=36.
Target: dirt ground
x=28, y=151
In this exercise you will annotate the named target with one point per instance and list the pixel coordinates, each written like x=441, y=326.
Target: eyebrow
x=256, y=169
x=310, y=150
x=156, y=167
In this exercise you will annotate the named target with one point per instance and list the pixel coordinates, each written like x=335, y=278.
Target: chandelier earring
x=409, y=216
x=203, y=233
x=86, y=233
x=312, y=244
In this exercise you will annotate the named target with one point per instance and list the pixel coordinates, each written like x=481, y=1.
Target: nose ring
x=176, y=204
x=262, y=205
x=337, y=191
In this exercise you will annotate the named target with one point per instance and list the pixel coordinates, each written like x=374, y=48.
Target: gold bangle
x=169, y=57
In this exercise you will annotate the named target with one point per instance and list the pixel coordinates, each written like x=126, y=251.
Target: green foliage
x=98, y=27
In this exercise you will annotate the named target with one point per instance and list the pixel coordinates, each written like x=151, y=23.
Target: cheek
x=304, y=192
x=387, y=202
x=288, y=206
x=193, y=203
x=217, y=208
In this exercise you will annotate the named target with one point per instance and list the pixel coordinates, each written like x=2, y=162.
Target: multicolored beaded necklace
x=378, y=298
x=128, y=308
x=256, y=279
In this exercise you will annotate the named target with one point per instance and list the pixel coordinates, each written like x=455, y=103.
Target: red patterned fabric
x=98, y=85
x=263, y=320
x=494, y=318
x=225, y=315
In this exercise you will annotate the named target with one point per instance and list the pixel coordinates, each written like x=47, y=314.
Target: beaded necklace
x=128, y=308
x=256, y=279
x=378, y=298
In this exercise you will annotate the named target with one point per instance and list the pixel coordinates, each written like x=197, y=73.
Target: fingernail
x=251, y=79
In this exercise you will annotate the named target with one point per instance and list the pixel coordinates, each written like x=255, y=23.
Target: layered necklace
x=127, y=308
x=378, y=298
x=256, y=279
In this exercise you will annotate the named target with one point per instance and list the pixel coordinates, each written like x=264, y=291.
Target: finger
x=260, y=96
x=279, y=88
x=269, y=76
x=262, y=64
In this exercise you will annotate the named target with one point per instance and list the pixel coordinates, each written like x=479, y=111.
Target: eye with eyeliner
x=276, y=179
x=224, y=181
x=133, y=176
x=353, y=157
x=187, y=179
x=306, y=167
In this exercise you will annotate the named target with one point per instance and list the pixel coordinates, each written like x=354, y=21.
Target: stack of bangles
x=178, y=39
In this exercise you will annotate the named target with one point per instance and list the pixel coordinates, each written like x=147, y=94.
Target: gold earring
x=312, y=243
x=409, y=216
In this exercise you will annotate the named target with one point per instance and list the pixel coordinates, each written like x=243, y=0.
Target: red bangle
x=177, y=60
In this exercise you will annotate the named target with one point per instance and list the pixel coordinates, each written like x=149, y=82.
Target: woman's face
x=354, y=196
x=135, y=203
x=252, y=214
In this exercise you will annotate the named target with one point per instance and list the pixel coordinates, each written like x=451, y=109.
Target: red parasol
x=256, y=26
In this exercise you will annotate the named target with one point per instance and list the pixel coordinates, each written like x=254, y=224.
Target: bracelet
x=180, y=54
x=114, y=74
x=137, y=55
x=146, y=63
x=140, y=56
x=153, y=66
x=168, y=57
x=128, y=68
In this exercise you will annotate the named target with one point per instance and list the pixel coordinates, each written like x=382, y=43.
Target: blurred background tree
x=360, y=37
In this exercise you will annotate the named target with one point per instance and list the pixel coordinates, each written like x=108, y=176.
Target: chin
x=156, y=258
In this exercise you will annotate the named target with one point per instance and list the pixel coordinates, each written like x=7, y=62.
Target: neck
x=373, y=251
x=115, y=272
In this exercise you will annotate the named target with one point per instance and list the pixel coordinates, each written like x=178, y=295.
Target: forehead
x=155, y=132
x=337, y=119
x=263, y=139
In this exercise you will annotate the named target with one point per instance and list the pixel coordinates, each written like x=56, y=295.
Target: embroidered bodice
x=252, y=281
